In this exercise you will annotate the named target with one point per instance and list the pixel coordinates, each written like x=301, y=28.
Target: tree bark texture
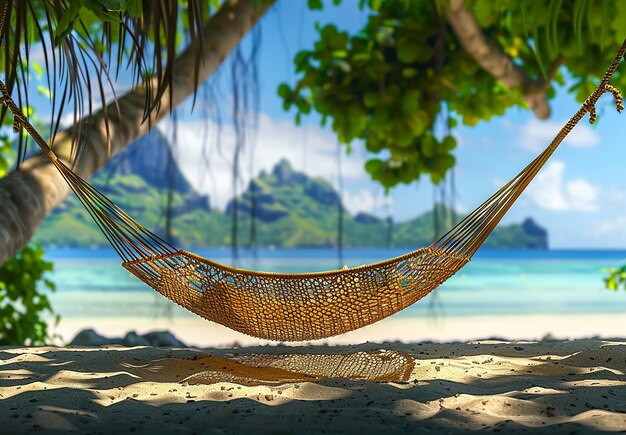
x=29, y=194
x=493, y=60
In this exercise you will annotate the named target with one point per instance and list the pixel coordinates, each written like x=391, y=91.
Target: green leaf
x=36, y=66
x=552, y=27
x=44, y=91
x=524, y=8
x=410, y=101
x=303, y=106
x=134, y=8
x=448, y=143
x=415, y=122
x=66, y=23
x=619, y=21
x=427, y=146
x=342, y=65
x=302, y=59
x=407, y=51
x=20, y=279
x=284, y=91
x=611, y=283
x=374, y=166
x=485, y=12
x=111, y=15
x=112, y=5
x=409, y=72
x=605, y=20
x=315, y=4
x=580, y=8
x=370, y=99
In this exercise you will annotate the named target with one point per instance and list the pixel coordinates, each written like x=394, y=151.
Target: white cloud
x=118, y=89
x=614, y=227
x=535, y=135
x=582, y=195
x=309, y=149
x=366, y=201
x=613, y=198
x=551, y=191
x=462, y=208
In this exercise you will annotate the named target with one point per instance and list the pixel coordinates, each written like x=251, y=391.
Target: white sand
x=198, y=332
x=551, y=386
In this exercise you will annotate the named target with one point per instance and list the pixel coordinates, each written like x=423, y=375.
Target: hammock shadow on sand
x=249, y=367
x=278, y=369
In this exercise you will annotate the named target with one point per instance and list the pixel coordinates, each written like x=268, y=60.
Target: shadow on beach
x=556, y=386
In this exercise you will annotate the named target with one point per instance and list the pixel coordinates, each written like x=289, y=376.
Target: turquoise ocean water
x=92, y=282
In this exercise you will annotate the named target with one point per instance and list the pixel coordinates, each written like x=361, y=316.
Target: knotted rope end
x=590, y=103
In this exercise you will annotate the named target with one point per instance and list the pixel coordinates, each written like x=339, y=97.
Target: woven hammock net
x=307, y=306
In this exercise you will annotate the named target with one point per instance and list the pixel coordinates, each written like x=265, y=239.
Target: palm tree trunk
x=28, y=195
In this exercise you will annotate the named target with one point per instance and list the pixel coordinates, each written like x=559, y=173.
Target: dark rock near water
x=89, y=337
x=163, y=339
x=537, y=233
x=132, y=339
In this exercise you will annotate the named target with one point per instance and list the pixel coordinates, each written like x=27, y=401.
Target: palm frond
x=87, y=43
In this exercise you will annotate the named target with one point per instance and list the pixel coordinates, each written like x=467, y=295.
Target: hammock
x=305, y=306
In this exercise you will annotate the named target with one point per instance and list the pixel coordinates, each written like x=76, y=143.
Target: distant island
x=290, y=209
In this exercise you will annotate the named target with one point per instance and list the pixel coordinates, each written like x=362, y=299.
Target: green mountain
x=293, y=209
x=139, y=180
x=283, y=208
x=290, y=209
x=420, y=231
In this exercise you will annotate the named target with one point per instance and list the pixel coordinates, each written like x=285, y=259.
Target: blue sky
x=579, y=196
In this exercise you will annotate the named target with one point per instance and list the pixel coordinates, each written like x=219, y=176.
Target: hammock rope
x=303, y=306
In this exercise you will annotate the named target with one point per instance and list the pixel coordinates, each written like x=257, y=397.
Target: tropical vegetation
x=399, y=86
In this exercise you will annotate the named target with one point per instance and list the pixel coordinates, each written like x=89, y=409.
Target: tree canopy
x=416, y=67
x=401, y=84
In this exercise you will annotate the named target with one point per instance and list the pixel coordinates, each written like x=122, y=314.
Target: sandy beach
x=550, y=386
x=197, y=332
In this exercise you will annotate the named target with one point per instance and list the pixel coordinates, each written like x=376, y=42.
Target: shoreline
x=197, y=332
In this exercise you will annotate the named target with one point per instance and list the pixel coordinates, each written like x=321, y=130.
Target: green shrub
x=24, y=304
x=616, y=278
